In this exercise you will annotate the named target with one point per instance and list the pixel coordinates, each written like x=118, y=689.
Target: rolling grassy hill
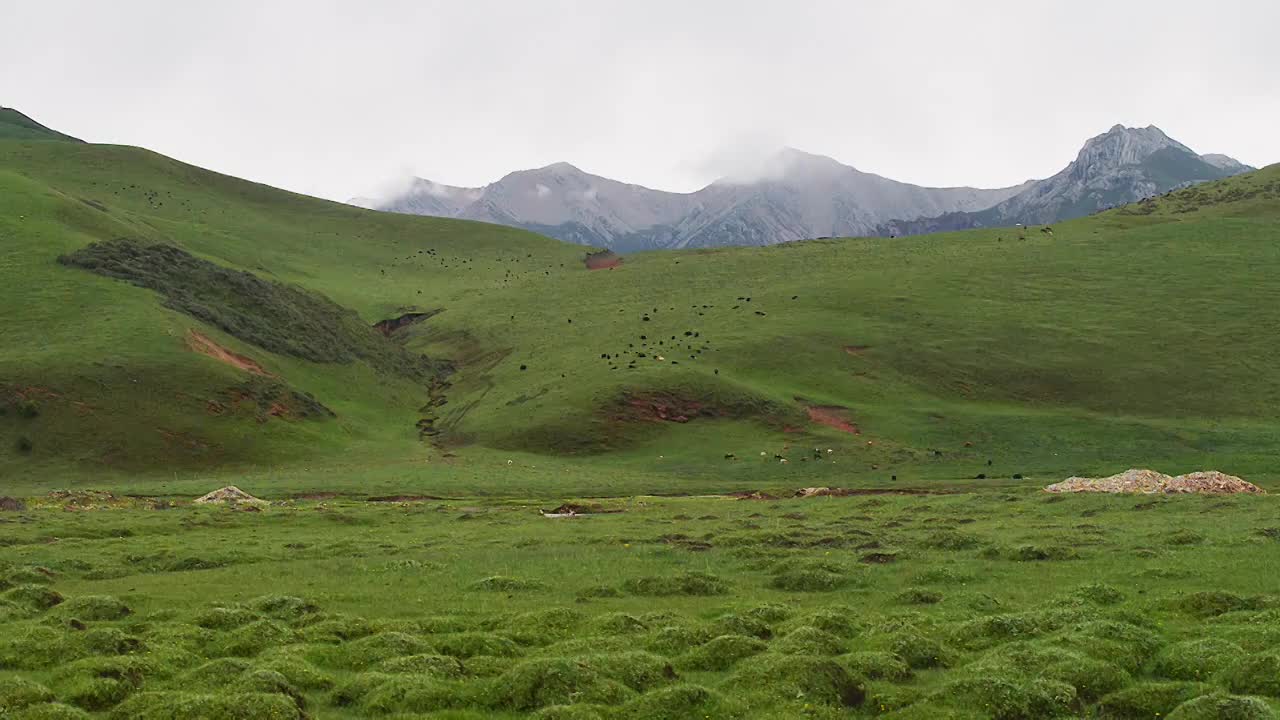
x=1133, y=337
x=1137, y=337
x=99, y=375
x=16, y=126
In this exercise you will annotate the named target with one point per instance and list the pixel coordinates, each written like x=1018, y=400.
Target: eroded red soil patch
x=203, y=344
x=602, y=260
x=664, y=407
x=834, y=417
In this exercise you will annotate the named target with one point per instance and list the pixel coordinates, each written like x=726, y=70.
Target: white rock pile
x=1151, y=482
x=229, y=495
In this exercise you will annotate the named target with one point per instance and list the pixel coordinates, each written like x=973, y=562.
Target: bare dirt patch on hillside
x=833, y=416
x=602, y=260
x=675, y=407
x=203, y=344
x=268, y=398
x=664, y=407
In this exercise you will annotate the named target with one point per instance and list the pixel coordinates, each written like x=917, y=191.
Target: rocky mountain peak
x=1226, y=162
x=1126, y=146
x=1119, y=166
x=561, y=168
x=787, y=165
x=1121, y=146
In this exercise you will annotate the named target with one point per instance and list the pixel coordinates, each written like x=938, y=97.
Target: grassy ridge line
x=335, y=248
x=16, y=126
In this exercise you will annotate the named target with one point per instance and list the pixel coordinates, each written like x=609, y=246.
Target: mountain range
x=798, y=195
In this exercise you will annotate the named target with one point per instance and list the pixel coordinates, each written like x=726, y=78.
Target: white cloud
x=436, y=189
x=988, y=92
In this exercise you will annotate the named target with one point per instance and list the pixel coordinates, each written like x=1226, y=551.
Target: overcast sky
x=339, y=99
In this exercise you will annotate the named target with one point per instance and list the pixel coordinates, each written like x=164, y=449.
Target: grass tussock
x=902, y=640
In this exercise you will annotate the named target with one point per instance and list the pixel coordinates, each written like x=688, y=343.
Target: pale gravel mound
x=1211, y=481
x=1150, y=482
x=229, y=494
x=1133, y=480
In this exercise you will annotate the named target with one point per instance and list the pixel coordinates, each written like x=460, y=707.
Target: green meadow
x=966, y=605
x=406, y=394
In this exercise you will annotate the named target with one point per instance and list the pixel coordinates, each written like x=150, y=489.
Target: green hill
x=98, y=375
x=1134, y=337
x=16, y=126
x=201, y=327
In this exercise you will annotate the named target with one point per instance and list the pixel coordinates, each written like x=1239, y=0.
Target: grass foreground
x=971, y=605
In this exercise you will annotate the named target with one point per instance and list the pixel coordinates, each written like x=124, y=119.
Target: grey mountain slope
x=814, y=196
x=1119, y=166
x=561, y=194
x=796, y=195
x=1225, y=162
x=424, y=197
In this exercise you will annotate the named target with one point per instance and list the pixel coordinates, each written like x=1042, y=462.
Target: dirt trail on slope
x=203, y=344
x=853, y=492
